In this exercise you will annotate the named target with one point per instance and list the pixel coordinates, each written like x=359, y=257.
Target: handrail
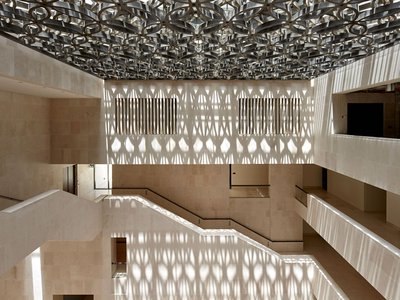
x=301, y=195
x=231, y=222
x=322, y=284
x=381, y=273
x=30, y=201
x=10, y=198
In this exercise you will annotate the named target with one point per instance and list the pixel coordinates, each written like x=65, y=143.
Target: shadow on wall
x=169, y=257
x=207, y=124
x=176, y=262
x=173, y=265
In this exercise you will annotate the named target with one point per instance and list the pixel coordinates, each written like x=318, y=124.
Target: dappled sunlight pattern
x=179, y=260
x=374, y=258
x=370, y=160
x=208, y=124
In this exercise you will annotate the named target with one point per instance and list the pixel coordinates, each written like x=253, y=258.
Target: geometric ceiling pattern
x=200, y=39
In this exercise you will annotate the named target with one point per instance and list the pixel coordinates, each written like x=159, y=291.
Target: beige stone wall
x=75, y=268
x=204, y=190
x=312, y=176
x=17, y=283
x=347, y=189
x=29, y=66
x=393, y=209
x=77, y=131
x=60, y=268
x=25, y=147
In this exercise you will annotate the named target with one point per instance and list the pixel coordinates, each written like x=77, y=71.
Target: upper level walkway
x=350, y=233
x=374, y=221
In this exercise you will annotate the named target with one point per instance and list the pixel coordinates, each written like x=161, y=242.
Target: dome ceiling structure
x=199, y=39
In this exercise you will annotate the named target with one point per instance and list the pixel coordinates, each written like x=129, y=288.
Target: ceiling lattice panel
x=199, y=39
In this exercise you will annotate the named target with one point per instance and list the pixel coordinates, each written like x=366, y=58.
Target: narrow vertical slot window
x=118, y=257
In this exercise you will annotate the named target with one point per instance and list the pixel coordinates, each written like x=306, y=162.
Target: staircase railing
x=205, y=223
x=374, y=258
x=301, y=195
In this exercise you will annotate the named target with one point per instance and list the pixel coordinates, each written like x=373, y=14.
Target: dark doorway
x=118, y=257
x=69, y=179
x=325, y=179
x=365, y=119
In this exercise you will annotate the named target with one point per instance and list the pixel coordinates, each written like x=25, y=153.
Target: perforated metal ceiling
x=199, y=39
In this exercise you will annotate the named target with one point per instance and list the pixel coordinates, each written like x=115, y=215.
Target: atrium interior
x=194, y=149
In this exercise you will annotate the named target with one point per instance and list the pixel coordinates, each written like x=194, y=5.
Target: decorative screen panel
x=269, y=116
x=146, y=116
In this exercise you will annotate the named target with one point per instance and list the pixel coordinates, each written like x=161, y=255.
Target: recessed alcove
x=373, y=112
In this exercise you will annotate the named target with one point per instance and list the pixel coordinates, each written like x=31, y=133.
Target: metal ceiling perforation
x=199, y=39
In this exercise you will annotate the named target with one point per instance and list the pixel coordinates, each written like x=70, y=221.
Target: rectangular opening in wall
x=146, y=116
x=69, y=179
x=269, y=116
x=374, y=113
x=365, y=119
x=73, y=297
x=249, y=181
x=118, y=257
x=102, y=176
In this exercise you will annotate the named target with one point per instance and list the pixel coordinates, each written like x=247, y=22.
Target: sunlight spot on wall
x=298, y=272
x=306, y=148
x=183, y=145
x=116, y=145
x=37, y=275
x=210, y=145
x=252, y=147
x=136, y=273
x=204, y=271
x=225, y=146
x=149, y=272
x=190, y=272
x=142, y=145
x=217, y=272
x=129, y=146
x=168, y=238
x=171, y=145
x=198, y=145
x=231, y=272
x=264, y=146
x=156, y=145
x=292, y=147
x=182, y=238
x=258, y=272
x=141, y=237
x=163, y=272
x=245, y=273
x=281, y=146
x=177, y=271
x=271, y=272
